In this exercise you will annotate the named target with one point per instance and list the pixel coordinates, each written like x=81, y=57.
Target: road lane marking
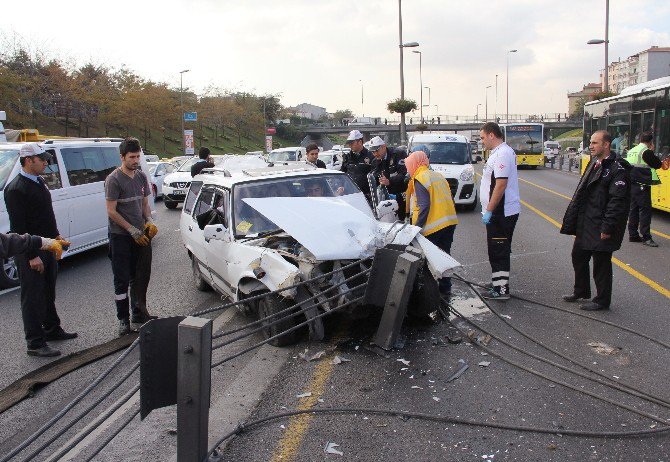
x=629, y=269
x=658, y=233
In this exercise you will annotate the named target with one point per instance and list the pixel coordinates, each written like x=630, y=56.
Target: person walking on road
x=501, y=205
x=130, y=228
x=312, y=156
x=431, y=207
x=596, y=216
x=358, y=163
x=203, y=162
x=389, y=169
x=30, y=211
x=643, y=175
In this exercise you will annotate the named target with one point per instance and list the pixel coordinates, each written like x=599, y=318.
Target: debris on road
x=435, y=398
x=308, y=357
x=464, y=367
x=603, y=348
x=404, y=361
x=307, y=394
x=484, y=363
x=339, y=360
x=330, y=449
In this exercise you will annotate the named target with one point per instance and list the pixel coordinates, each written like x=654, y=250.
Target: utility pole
x=181, y=102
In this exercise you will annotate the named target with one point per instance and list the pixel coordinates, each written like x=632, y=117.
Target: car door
x=59, y=198
x=217, y=251
x=86, y=168
x=194, y=237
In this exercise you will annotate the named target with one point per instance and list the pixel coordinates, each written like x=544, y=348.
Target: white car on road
x=332, y=159
x=157, y=172
x=263, y=230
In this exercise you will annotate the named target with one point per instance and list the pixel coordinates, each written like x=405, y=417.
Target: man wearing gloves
x=130, y=227
x=499, y=195
x=388, y=167
x=30, y=211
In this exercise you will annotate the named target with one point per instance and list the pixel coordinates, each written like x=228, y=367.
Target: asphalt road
x=498, y=393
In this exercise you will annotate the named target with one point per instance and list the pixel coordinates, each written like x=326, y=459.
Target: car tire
x=198, y=280
x=272, y=304
x=170, y=204
x=9, y=276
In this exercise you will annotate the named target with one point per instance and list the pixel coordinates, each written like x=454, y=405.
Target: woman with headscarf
x=431, y=207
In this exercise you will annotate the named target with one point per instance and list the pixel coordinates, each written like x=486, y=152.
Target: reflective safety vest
x=442, y=211
x=634, y=158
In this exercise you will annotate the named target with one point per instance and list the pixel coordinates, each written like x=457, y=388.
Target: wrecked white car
x=262, y=230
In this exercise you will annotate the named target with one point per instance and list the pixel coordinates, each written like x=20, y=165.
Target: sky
x=326, y=52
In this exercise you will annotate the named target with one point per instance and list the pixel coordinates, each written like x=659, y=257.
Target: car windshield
x=7, y=161
x=524, y=138
x=448, y=153
x=326, y=158
x=235, y=162
x=281, y=156
x=248, y=222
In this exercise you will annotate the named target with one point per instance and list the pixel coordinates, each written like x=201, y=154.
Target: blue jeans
x=443, y=239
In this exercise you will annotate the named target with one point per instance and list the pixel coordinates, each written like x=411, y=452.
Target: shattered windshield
x=247, y=221
x=524, y=139
x=281, y=156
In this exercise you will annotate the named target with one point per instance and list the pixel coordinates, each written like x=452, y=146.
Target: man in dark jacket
x=203, y=162
x=388, y=168
x=358, y=163
x=30, y=211
x=597, y=217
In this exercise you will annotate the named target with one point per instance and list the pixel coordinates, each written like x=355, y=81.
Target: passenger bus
x=639, y=108
x=527, y=140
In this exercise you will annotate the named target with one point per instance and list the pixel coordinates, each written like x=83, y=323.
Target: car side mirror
x=217, y=233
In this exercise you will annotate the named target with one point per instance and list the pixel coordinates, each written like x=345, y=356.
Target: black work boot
x=45, y=351
x=124, y=327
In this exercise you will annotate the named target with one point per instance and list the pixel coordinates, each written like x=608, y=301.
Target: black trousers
x=443, y=239
x=602, y=274
x=640, y=211
x=38, y=298
x=499, y=233
x=140, y=284
x=124, y=253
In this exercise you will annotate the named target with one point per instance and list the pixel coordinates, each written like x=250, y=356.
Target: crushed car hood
x=333, y=229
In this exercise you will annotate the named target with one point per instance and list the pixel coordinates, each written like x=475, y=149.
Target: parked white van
x=75, y=176
x=451, y=156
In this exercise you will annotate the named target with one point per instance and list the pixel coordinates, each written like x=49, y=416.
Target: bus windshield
x=524, y=139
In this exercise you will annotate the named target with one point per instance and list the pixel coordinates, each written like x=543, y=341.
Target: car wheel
x=198, y=280
x=170, y=204
x=9, y=276
x=270, y=305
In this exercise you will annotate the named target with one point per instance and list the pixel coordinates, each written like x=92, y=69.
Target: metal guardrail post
x=193, y=388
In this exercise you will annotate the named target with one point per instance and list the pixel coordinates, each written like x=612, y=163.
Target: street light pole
x=362, y=108
x=486, y=99
x=495, y=110
x=477, y=115
x=507, y=92
x=181, y=102
x=606, y=42
x=420, y=83
x=403, y=127
x=428, y=105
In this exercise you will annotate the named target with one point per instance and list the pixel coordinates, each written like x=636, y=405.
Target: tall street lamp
x=495, y=108
x=402, y=46
x=477, y=116
x=362, y=110
x=486, y=93
x=606, y=84
x=507, y=92
x=427, y=105
x=420, y=83
x=181, y=102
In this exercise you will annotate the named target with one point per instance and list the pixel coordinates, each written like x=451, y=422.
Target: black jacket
x=393, y=168
x=318, y=164
x=199, y=166
x=600, y=204
x=357, y=166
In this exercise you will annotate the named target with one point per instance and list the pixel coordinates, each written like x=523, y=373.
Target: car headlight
x=467, y=175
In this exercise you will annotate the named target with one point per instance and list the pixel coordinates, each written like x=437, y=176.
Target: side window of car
x=51, y=174
x=192, y=194
x=220, y=203
x=169, y=168
x=160, y=170
x=89, y=164
x=204, y=202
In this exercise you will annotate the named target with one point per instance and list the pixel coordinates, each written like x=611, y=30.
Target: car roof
x=227, y=179
x=434, y=138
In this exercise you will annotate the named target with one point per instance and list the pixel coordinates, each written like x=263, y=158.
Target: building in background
x=641, y=67
x=308, y=111
x=576, y=99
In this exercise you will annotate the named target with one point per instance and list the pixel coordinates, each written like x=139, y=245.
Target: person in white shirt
x=499, y=195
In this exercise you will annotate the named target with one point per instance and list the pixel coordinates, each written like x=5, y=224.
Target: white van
x=551, y=150
x=451, y=155
x=293, y=154
x=76, y=177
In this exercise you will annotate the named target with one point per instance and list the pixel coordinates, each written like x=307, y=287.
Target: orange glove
x=140, y=238
x=57, y=246
x=150, y=230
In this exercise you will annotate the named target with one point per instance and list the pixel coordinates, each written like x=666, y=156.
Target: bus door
x=660, y=195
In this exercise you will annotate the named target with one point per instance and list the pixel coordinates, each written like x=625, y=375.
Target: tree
x=342, y=114
x=401, y=106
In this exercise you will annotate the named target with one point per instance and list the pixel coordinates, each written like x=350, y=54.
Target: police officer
x=358, y=163
x=30, y=211
x=389, y=169
x=643, y=176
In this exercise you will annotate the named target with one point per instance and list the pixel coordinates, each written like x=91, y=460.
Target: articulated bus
x=639, y=108
x=527, y=140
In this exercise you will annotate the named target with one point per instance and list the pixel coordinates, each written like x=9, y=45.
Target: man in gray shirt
x=130, y=226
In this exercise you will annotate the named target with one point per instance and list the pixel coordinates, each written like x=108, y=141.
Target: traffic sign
x=189, y=147
x=190, y=116
x=271, y=131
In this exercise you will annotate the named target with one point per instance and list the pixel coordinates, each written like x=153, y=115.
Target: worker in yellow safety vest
x=643, y=176
x=431, y=207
